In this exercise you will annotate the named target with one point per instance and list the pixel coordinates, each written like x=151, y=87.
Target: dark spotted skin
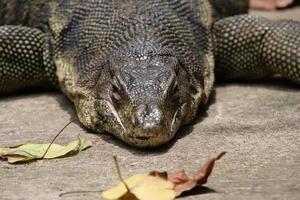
x=257, y=48
x=24, y=50
x=33, y=14
x=140, y=69
x=24, y=59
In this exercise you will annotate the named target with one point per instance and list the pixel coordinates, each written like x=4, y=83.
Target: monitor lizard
x=140, y=69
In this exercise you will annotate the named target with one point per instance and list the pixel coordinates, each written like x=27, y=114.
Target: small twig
x=119, y=173
x=79, y=192
x=85, y=192
x=56, y=138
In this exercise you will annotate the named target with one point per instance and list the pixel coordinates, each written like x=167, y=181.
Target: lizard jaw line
x=116, y=115
x=175, y=117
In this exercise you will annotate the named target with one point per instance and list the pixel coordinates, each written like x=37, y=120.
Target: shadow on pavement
x=273, y=83
x=198, y=191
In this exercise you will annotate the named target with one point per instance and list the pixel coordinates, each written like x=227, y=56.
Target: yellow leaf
x=143, y=187
x=152, y=188
x=29, y=152
x=120, y=190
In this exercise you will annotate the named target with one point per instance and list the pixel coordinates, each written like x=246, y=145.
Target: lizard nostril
x=148, y=117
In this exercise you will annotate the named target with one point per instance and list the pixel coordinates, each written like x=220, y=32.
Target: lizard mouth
x=146, y=140
x=143, y=138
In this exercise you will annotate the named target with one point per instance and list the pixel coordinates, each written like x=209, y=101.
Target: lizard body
x=140, y=69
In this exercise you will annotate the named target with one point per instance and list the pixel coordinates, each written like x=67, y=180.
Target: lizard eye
x=175, y=86
x=116, y=96
x=116, y=84
x=193, y=90
x=116, y=89
x=175, y=90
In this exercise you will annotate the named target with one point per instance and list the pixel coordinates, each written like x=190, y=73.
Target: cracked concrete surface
x=256, y=123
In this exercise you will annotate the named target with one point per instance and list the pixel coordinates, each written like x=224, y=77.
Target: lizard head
x=142, y=98
x=140, y=71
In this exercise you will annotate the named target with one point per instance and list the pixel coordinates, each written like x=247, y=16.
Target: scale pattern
x=281, y=49
x=28, y=13
x=250, y=47
x=99, y=30
x=93, y=38
x=23, y=58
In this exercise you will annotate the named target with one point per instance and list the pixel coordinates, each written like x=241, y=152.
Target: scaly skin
x=140, y=69
x=33, y=14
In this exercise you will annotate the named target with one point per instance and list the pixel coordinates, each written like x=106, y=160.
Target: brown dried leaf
x=162, y=175
x=183, y=183
x=204, y=172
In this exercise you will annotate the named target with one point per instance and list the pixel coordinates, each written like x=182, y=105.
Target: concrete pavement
x=256, y=123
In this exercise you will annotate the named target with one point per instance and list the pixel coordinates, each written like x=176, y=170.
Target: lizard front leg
x=24, y=59
x=250, y=47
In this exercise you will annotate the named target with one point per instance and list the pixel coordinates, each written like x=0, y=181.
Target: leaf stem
x=56, y=138
x=119, y=173
x=78, y=192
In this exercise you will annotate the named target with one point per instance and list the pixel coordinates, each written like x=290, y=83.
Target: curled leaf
x=30, y=152
x=183, y=183
x=204, y=172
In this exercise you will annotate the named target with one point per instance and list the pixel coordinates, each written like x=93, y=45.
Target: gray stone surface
x=256, y=123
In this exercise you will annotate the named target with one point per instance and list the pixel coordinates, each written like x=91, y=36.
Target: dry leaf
x=120, y=190
x=183, y=183
x=29, y=152
x=141, y=187
x=159, y=185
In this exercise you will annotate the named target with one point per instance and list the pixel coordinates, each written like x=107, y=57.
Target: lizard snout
x=148, y=118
